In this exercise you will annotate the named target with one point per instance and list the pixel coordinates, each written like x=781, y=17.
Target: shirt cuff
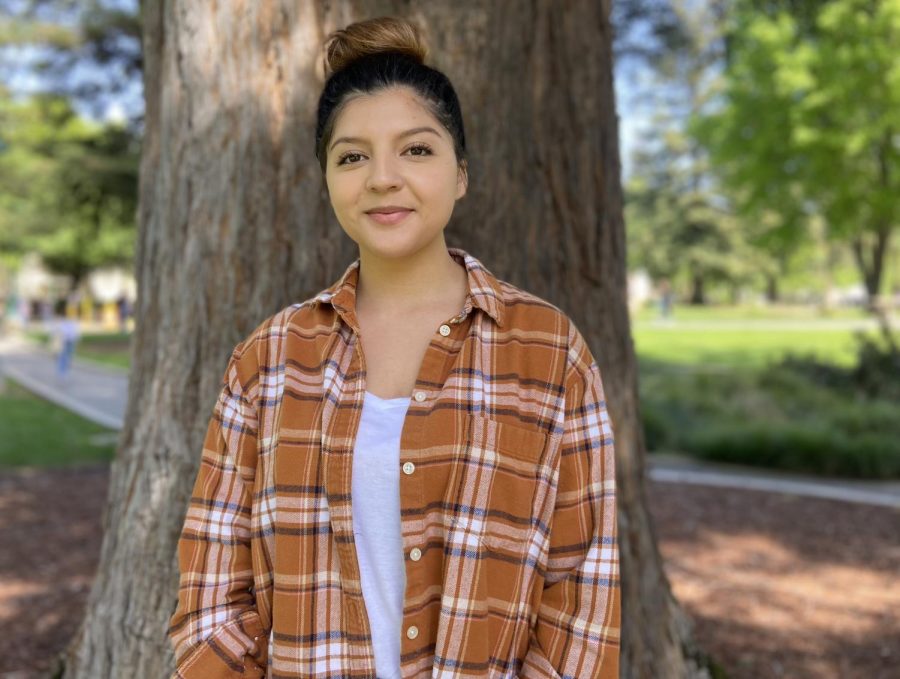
x=237, y=649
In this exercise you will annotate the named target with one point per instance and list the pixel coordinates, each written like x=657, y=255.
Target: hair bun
x=381, y=34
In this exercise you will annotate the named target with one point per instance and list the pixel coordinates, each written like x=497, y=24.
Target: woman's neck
x=430, y=277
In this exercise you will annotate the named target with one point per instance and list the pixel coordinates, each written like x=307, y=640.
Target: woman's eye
x=420, y=147
x=343, y=159
x=416, y=150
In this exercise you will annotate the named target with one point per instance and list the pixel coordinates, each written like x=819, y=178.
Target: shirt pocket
x=495, y=473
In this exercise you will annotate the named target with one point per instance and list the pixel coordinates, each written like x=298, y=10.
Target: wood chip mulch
x=777, y=585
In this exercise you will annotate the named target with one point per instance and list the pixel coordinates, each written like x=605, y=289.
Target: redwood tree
x=235, y=224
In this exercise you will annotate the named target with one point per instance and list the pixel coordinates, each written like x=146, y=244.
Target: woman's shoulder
x=262, y=346
x=525, y=310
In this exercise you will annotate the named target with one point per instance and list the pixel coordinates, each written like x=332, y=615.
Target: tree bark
x=698, y=292
x=235, y=224
x=871, y=265
x=772, y=293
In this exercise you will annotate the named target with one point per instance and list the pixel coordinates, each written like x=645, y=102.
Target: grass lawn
x=688, y=312
x=742, y=347
x=39, y=433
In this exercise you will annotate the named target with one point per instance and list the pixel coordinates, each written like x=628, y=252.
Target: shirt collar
x=484, y=291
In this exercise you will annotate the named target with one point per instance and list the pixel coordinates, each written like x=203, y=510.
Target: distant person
x=66, y=333
x=45, y=310
x=124, y=307
x=10, y=309
x=24, y=307
x=665, y=298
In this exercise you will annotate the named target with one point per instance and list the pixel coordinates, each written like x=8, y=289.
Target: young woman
x=412, y=473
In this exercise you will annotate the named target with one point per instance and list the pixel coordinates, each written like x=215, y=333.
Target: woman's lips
x=389, y=217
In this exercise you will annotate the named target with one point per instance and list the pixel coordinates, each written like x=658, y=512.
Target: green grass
x=740, y=347
x=688, y=312
x=35, y=432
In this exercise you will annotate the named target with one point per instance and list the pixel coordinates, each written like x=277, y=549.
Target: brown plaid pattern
x=507, y=488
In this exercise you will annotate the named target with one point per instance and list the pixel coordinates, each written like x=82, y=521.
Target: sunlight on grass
x=742, y=346
x=687, y=312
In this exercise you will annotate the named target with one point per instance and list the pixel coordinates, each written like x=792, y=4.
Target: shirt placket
x=416, y=627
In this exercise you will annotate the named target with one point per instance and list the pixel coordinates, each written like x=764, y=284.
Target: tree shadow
x=781, y=585
x=51, y=528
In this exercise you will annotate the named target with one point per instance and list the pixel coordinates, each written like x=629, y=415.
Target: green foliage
x=876, y=373
x=775, y=418
x=68, y=187
x=802, y=447
x=764, y=399
x=808, y=123
x=680, y=225
x=679, y=234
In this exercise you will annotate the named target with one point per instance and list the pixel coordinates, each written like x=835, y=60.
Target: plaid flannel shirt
x=507, y=490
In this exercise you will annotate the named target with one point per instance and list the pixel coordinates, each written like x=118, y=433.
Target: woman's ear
x=462, y=179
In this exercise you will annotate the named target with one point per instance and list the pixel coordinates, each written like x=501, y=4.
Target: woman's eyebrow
x=360, y=140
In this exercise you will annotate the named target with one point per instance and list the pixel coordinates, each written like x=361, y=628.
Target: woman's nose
x=383, y=174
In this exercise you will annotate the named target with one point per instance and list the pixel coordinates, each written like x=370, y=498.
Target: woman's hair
x=369, y=56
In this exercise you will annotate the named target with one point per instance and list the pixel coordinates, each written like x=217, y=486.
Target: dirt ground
x=777, y=586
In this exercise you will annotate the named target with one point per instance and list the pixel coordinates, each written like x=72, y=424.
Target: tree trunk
x=772, y=295
x=698, y=293
x=235, y=224
x=871, y=265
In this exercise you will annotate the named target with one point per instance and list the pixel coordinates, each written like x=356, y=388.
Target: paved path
x=94, y=391
x=684, y=469
x=99, y=393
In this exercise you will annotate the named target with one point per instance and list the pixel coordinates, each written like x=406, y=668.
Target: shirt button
x=408, y=467
x=420, y=396
x=445, y=330
x=412, y=631
x=415, y=554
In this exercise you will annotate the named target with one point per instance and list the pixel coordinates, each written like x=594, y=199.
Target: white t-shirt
x=375, y=498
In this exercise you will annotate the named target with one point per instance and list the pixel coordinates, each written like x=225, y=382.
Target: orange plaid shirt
x=507, y=501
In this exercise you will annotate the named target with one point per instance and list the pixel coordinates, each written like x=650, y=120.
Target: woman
x=411, y=473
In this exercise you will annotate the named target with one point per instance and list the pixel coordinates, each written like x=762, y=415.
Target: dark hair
x=372, y=55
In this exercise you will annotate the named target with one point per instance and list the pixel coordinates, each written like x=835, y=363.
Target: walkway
x=99, y=393
x=94, y=391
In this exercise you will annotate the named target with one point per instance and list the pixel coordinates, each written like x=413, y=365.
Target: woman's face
x=388, y=150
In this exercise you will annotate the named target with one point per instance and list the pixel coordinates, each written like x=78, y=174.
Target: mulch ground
x=777, y=586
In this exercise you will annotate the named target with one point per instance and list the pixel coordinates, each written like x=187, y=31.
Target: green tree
x=680, y=223
x=808, y=123
x=68, y=187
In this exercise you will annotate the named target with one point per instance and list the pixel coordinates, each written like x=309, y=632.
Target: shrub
x=816, y=448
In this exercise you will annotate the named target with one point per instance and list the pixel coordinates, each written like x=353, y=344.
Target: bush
x=876, y=372
x=802, y=447
x=797, y=414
